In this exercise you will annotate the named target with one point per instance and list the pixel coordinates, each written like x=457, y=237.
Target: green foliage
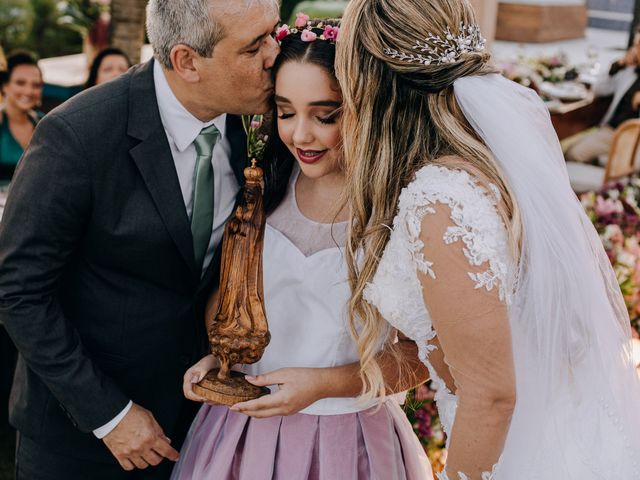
x=47, y=38
x=35, y=25
x=16, y=20
x=316, y=9
x=79, y=15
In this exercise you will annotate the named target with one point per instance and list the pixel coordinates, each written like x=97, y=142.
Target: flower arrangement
x=423, y=416
x=306, y=27
x=532, y=72
x=256, y=139
x=615, y=212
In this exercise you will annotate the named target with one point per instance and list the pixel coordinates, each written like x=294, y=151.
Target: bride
x=477, y=249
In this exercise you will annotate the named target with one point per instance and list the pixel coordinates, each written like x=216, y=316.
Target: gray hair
x=188, y=22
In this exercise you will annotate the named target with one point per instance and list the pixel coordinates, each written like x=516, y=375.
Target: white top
x=182, y=128
x=306, y=299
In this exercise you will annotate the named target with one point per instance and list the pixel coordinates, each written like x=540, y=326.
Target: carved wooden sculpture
x=239, y=332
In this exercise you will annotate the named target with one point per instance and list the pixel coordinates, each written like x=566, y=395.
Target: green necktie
x=202, y=215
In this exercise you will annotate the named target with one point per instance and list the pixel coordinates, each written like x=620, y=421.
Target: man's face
x=237, y=79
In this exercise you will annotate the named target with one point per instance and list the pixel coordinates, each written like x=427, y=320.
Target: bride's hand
x=298, y=388
x=195, y=374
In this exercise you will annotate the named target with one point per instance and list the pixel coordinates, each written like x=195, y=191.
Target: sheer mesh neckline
x=308, y=236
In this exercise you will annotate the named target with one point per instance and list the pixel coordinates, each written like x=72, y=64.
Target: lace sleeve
x=460, y=245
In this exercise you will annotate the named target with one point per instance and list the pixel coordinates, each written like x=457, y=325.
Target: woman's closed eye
x=332, y=117
x=285, y=116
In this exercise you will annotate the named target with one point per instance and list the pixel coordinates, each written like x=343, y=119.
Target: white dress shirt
x=182, y=128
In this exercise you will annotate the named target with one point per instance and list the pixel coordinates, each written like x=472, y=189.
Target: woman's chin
x=317, y=170
x=25, y=107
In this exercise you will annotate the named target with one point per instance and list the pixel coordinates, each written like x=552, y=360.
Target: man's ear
x=182, y=58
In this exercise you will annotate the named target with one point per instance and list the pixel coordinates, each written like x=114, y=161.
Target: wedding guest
x=3, y=65
x=22, y=92
x=109, y=243
x=108, y=64
x=623, y=82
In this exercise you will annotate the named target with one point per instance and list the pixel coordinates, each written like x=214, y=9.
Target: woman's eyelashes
x=324, y=119
x=331, y=118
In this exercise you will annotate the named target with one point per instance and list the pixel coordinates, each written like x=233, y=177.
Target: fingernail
x=195, y=378
x=249, y=377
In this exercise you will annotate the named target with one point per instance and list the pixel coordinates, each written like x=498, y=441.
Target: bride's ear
x=182, y=59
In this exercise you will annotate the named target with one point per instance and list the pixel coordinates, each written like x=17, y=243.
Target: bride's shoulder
x=451, y=181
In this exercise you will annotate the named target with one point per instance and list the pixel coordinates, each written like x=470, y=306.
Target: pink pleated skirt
x=372, y=444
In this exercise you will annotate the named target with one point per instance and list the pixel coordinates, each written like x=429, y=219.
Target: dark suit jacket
x=98, y=283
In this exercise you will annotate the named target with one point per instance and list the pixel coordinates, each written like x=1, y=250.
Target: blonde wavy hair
x=397, y=118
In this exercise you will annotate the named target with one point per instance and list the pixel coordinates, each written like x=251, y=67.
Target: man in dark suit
x=109, y=243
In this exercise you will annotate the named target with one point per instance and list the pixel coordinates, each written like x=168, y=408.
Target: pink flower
x=282, y=32
x=255, y=125
x=301, y=20
x=606, y=207
x=331, y=33
x=614, y=234
x=308, y=36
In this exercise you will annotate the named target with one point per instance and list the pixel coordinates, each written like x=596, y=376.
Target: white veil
x=578, y=395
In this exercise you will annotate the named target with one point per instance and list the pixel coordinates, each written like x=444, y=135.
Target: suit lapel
x=155, y=162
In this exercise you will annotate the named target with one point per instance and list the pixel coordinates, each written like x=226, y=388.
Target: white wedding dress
x=580, y=433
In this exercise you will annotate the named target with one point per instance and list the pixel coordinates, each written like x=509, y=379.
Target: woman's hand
x=298, y=388
x=195, y=374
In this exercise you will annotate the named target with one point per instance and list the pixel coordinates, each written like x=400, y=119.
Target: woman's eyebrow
x=326, y=103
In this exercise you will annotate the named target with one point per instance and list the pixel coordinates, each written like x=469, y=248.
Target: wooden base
x=234, y=390
x=540, y=23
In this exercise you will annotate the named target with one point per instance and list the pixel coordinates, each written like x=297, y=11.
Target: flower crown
x=306, y=27
x=438, y=51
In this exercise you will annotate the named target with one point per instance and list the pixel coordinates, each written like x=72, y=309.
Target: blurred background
x=560, y=48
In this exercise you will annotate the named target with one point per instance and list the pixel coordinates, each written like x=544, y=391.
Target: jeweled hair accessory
x=438, y=51
x=306, y=29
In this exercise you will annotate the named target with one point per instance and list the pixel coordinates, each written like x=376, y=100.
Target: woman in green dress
x=22, y=92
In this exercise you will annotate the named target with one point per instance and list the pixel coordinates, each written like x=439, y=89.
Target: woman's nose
x=302, y=134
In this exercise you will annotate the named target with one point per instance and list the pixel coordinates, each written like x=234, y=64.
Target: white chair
x=622, y=160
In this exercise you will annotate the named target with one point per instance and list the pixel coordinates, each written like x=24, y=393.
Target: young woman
x=109, y=64
x=476, y=248
x=312, y=426
x=22, y=91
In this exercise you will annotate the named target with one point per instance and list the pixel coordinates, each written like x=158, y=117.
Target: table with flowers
x=563, y=87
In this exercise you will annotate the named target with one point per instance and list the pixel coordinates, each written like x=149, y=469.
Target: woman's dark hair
x=97, y=61
x=15, y=60
x=278, y=159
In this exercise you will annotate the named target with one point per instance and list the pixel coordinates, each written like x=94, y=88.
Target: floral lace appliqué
x=477, y=223
x=492, y=475
x=396, y=290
